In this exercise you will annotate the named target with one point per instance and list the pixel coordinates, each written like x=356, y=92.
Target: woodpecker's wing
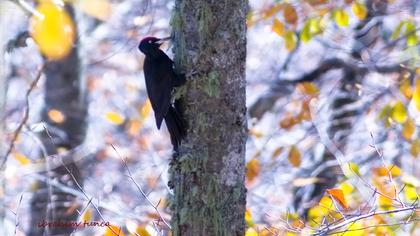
x=158, y=72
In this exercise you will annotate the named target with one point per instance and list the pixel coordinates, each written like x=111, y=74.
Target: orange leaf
x=288, y=122
x=113, y=230
x=253, y=169
x=277, y=152
x=308, y=88
x=100, y=9
x=290, y=14
x=338, y=195
x=408, y=129
x=56, y=116
x=294, y=156
x=382, y=171
x=278, y=27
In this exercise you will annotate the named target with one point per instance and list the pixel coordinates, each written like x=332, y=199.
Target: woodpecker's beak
x=162, y=40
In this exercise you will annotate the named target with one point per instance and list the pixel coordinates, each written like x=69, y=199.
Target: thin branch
x=330, y=228
x=25, y=117
x=140, y=189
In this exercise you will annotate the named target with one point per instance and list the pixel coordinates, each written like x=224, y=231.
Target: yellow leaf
x=290, y=40
x=278, y=27
x=114, y=118
x=308, y=88
x=145, y=109
x=382, y=171
x=410, y=192
x=100, y=9
x=294, y=156
x=248, y=218
x=347, y=188
x=341, y=18
x=253, y=169
x=399, y=113
x=408, y=129
x=53, y=30
x=338, y=195
x=351, y=169
x=141, y=230
x=359, y=10
x=251, y=232
x=290, y=14
x=113, y=230
x=415, y=147
x=87, y=215
x=277, y=152
x=22, y=159
x=56, y=116
x=416, y=95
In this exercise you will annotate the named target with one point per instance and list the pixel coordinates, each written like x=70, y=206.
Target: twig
x=140, y=189
x=25, y=117
x=331, y=228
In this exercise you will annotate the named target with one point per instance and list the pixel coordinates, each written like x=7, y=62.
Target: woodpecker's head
x=150, y=45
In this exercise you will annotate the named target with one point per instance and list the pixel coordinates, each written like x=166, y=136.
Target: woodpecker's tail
x=176, y=126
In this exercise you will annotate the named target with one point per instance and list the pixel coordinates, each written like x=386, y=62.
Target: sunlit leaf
x=411, y=193
x=278, y=27
x=341, y=17
x=294, y=156
x=311, y=28
x=308, y=88
x=359, y=10
x=113, y=230
x=290, y=14
x=408, y=129
x=145, y=109
x=22, y=159
x=141, y=230
x=248, y=218
x=253, y=168
x=56, y=116
x=100, y=9
x=115, y=118
x=53, y=30
x=87, y=215
x=338, y=195
x=416, y=95
x=405, y=88
x=251, y=232
x=134, y=126
x=410, y=30
x=290, y=40
x=347, y=188
x=399, y=113
x=382, y=171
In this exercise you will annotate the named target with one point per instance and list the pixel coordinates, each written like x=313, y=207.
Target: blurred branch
x=25, y=118
x=283, y=87
x=27, y=8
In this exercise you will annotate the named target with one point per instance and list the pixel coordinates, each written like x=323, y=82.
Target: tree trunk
x=208, y=172
x=64, y=92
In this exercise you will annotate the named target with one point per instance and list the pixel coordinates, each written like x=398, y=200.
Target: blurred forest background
x=333, y=100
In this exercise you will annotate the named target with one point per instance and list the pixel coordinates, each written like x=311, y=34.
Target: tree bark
x=208, y=172
x=64, y=92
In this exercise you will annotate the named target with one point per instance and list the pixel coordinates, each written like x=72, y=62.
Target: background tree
x=207, y=176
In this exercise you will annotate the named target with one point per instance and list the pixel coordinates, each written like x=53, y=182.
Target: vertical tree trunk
x=207, y=175
x=64, y=92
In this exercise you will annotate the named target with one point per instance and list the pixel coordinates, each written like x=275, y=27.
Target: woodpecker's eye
x=150, y=41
